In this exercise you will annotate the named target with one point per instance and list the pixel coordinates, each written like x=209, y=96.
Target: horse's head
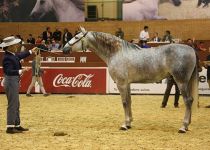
x=78, y=42
x=41, y=8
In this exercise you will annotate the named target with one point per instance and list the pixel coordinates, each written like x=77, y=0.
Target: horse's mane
x=79, y=4
x=112, y=42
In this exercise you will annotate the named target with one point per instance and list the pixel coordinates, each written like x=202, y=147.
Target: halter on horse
x=127, y=63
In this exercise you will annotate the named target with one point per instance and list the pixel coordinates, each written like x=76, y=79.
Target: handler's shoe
x=163, y=106
x=21, y=128
x=176, y=106
x=12, y=130
x=29, y=95
x=46, y=94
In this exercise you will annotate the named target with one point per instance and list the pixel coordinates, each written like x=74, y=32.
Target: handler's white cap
x=8, y=41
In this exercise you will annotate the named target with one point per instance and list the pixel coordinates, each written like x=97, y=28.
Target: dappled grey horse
x=127, y=63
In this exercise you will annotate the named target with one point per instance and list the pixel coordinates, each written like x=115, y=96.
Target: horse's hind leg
x=126, y=101
x=188, y=100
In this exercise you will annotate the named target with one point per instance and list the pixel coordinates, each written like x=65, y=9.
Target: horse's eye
x=42, y=2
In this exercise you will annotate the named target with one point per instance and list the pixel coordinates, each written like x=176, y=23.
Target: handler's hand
x=34, y=50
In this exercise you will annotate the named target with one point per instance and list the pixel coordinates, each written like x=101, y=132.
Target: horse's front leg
x=126, y=101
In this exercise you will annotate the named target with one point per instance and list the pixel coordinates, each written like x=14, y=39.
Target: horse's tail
x=193, y=85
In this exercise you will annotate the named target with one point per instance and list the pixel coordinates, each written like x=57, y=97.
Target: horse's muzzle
x=67, y=50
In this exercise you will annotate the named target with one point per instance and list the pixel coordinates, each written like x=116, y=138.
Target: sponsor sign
x=75, y=80
x=66, y=80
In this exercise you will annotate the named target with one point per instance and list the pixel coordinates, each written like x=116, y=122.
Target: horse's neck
x=103, y=51
x=67, y=11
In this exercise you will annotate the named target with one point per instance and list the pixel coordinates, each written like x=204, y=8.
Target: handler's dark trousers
x=170, y=83
x=11, y=86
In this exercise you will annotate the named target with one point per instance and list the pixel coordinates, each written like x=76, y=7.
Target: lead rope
x=38, y=62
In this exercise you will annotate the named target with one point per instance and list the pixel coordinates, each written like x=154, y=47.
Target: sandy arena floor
x=92, y=122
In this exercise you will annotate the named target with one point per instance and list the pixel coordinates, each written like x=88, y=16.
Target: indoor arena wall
x=182, y=29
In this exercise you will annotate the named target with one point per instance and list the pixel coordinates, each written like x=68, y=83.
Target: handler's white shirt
x=144, y=35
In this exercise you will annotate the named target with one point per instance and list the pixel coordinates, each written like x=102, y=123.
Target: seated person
x=201, y=47
x=192, y=43
x=30, y=39
x=167, y=37
x=143, y=44
x=119, y=33
x=39, y=40
x=54, y=45
x=43, y=46
x=156, y=38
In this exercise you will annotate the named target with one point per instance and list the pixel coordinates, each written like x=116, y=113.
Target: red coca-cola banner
x=75, y=80
x=67, y=80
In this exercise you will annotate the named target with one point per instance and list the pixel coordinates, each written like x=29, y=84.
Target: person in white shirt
x=144, y=34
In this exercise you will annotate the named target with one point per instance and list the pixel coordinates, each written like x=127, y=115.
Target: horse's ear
x=83, y=30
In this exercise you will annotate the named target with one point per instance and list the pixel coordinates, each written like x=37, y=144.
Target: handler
x=12, y=71
x=170, y=83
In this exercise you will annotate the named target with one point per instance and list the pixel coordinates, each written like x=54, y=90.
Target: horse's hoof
x=124, y=128
x=128, y=127
x=182, y=130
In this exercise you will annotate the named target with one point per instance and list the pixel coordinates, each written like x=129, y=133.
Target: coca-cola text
x=80, y=80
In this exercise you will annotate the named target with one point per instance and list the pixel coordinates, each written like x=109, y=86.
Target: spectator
x=143, y=44
x=36, y=77
x=19, y=37
x=170, y=83
x=167, y=37
x=43, y=46
x=201, y=47
x=38, y=40
x=57, y=35
x=31, y=39
x=22, y=42
x=1, y=39
x=192, y=43
x=156, y=38
x=54, y=45
x=144, y=34
x=119, y=33
x=47, y=34
x=66, y=36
